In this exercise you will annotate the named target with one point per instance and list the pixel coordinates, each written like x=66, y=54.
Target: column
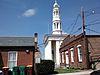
x=48, y=51
x=57, y=53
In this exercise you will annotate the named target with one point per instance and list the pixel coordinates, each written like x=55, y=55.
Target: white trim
x=72, y=54
x=62, y=57
x=79, y=45
x=67, y=60
x=71, y=48
x=79, y=54
x=13, y=60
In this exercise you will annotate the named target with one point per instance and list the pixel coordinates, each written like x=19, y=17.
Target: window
x=54, y=25
x=67, y=61
x=57, y=25
x=56, y=12
x=37, y=60
x=79, y=53
x=12, y=59
x=62, y=57
x=72, y=54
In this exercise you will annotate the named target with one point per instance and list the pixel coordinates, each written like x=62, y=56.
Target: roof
x=53, y=35
x=16, y=41
x=55, y=4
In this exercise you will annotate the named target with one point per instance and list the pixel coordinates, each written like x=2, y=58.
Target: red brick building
x=16, y=51
x=74, y=52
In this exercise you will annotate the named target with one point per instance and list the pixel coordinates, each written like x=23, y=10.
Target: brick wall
x=5, y=58
x=73, y=44
x=23, y=58
x=93, y=46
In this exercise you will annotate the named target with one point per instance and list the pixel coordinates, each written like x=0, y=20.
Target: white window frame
x=37, y=60
x=62, y=57
x=79, y=54
x=67, y=60
x=12, y=60
x=72, y=54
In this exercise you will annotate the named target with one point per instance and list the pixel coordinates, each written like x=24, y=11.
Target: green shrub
x=45, y=67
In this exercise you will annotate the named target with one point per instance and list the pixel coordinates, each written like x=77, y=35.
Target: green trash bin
x=15, y=70
x=22, y=70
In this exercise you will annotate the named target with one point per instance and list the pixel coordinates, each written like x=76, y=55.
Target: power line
x=95, y=20
x=69, y=26
x=87, y=13
x=93, y=30
x=92, y=11
x=40, y=44
x=92, y=24
x=77, y=30
x=75, y=22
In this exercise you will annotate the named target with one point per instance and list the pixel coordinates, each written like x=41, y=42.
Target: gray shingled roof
x=16, y=41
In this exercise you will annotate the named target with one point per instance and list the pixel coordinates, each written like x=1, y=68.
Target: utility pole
x=85, y=39
x=35, y=46
x=83, y=26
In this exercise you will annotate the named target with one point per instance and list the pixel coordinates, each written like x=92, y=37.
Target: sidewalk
x=84, y=72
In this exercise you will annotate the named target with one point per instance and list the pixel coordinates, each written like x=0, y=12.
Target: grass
x=66, y=70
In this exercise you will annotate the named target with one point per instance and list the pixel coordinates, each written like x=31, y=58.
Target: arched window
x=72, y=54
x=79, y=50
x=62, y=57
x=56, y=12
x=54, y=25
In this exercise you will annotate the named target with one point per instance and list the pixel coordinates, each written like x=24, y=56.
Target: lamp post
x=35, y=46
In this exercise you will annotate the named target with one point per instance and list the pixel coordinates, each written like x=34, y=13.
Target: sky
x=25, y=17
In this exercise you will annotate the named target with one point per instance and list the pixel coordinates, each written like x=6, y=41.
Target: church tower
x=56, y=24
x=53, y=41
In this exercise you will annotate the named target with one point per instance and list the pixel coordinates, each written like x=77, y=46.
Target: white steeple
x=53, y=41
x=55, y=1
x=56, y=24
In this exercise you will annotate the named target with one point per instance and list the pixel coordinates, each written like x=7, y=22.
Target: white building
x=54, y=40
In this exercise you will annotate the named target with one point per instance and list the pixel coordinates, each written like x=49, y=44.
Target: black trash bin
x=9, y=72
x=5, y=70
